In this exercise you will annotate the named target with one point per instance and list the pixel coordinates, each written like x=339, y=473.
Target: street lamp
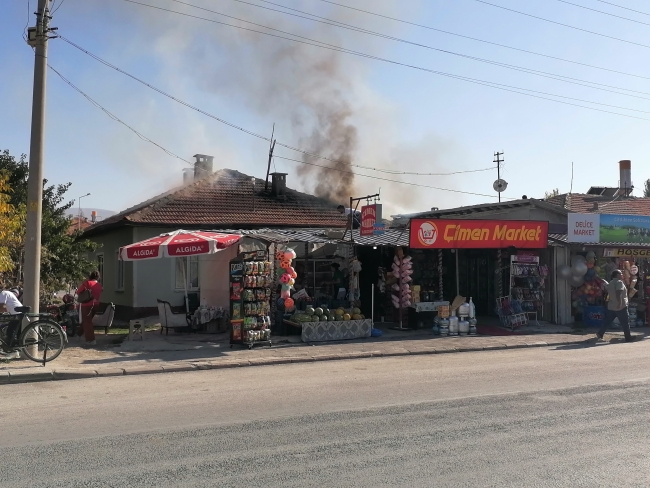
x=79, y=216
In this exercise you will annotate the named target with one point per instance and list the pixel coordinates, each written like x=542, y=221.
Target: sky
x=376, y=117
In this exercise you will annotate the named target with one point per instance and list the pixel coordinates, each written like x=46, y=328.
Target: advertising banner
x=609, y=228
x=370, y=216
x=477, y=234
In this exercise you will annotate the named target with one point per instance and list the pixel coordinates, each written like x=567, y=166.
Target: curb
x=10, y=377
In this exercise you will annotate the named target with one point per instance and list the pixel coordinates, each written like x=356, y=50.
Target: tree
x=646, y=189
x=63, y=260
x=550, y=194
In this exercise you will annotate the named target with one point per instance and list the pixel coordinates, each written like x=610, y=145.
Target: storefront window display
x=588, y=275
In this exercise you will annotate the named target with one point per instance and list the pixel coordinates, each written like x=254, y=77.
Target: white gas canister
x=453, y=325
x=463, y=327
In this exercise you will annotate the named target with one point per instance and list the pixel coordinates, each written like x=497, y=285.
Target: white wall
x=214, y=277
x=154, y=279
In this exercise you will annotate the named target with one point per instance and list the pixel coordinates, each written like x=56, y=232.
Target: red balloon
x=288, y=303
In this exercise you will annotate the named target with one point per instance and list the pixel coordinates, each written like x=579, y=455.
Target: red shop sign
x=478, y=234
x=370, y=216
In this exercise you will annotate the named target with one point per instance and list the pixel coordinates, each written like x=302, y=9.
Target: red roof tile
x=75, y=224
x=581, y=203
x=227, y=199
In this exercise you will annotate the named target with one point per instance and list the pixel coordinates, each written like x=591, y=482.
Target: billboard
x=477, y=234
x=370, y=217
x=609, y=228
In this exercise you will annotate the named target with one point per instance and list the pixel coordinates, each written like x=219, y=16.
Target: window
x=187, y=268
x=119, y=272
x=100, y=267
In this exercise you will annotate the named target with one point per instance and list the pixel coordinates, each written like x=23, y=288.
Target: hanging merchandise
x=528, y=280
x=355, y=269
x=402, y=271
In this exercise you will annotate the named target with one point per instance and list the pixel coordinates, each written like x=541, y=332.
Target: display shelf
x=251, y=285
x=527, y=282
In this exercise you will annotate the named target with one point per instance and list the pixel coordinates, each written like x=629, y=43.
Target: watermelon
x=318, y=311
x=346, y=316
x=356, y=311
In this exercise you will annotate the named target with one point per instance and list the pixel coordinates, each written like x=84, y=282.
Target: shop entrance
x=476, y=276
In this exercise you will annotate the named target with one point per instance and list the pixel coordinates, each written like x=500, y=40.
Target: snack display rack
x=251, y=285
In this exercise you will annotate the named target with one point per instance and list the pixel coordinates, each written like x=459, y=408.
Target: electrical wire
x=116, y=118
x=602, y=12
x=144, y=138
x=392, y=181
x=564, y=25
x=60, y=3
x=323, y=45
x=331, y=22
x=626, y=8
x=392, y=172
x=203, y=112
x=484, y=41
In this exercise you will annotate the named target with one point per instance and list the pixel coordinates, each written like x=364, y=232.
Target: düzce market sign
x=477, y=234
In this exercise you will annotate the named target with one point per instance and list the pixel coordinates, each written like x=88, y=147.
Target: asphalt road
x=568, y=417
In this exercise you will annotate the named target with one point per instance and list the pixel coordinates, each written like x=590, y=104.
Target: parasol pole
x=187, y=305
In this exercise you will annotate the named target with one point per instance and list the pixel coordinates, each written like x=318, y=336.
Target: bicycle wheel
x=42, y=341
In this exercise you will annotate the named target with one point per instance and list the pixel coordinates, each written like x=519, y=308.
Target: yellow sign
x=623, y=252
x=33, y=206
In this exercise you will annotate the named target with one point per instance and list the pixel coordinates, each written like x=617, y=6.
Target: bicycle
x=41, y=341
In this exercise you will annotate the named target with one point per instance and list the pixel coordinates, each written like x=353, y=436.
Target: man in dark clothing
x=356, y=215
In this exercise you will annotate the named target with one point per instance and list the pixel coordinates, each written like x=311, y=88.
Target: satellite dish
x=500, y=185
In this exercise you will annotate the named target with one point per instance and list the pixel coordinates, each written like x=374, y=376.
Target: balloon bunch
x=588, y=294
x=288, y=276
x=402, y=270
x=577, y=273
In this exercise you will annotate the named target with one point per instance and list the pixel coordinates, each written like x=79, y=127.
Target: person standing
x=8, y=303
x=616, y=306
x=88, y=309
x=356, y=215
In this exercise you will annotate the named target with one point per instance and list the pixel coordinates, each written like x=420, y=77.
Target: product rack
x=251, y=285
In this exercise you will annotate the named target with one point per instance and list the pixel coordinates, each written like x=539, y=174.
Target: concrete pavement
x=176, y=353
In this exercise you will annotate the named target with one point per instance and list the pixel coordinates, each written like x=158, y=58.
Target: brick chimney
x=279, y=185
x=202, y=166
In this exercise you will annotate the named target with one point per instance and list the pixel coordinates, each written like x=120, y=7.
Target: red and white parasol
x=178, y=244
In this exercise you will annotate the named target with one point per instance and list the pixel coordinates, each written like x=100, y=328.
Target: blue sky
x=406, y=119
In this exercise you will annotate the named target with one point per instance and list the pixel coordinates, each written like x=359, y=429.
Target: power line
x=626, y=8
x=392, y=172
x=323, y=45
x=203, y=112
x=563, y=25
x=486, y=42
x=343, y=25
x=116, y=118
x=602, y=12
x=143, y=137
x=60, y=3
x=387, y=179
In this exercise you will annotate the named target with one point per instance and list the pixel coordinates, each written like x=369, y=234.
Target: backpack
x=86, y=295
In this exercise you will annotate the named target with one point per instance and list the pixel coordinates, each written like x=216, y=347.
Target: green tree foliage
x=63, y=260
x=646, y=189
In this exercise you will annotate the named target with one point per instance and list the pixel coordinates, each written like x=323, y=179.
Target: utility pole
x=37, y=37
x=498, y=160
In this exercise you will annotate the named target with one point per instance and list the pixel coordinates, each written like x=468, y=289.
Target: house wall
x=154, y=278
x=108, y=245
x=214, y=273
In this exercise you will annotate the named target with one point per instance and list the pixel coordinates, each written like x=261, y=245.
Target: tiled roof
x=228, y=198
x=76, y=223
x=563, y=238
x=391, y=237
x=581, y=203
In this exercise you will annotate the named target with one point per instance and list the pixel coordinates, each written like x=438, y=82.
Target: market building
x=224, y=200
